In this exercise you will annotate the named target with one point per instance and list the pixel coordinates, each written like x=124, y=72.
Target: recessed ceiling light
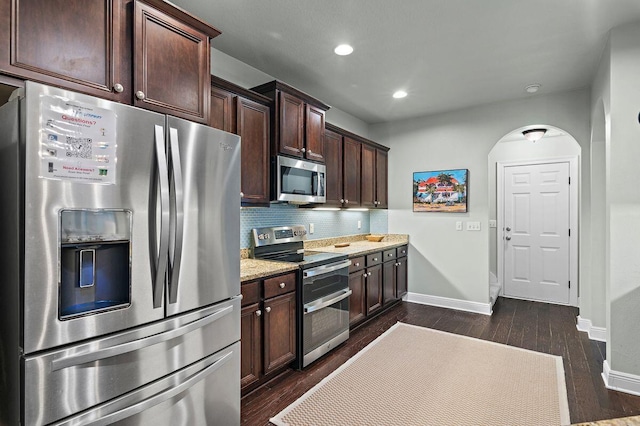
x=400, y=94
x=343, y=50
x=533, y=88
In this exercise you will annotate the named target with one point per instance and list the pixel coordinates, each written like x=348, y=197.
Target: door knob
x=508, y=237
x=508, y=229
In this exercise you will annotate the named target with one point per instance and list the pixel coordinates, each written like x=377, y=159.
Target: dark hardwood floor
x=537, y=326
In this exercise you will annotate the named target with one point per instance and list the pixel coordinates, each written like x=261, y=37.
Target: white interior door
x=536, y=232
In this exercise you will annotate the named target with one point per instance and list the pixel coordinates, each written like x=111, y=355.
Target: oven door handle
x=326, y=301
x=325, y=269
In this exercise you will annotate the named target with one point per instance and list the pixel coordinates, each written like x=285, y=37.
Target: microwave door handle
x=322, y=303
x=177, y=199
x=97, y=417
x=161, y=259
x=325, y=269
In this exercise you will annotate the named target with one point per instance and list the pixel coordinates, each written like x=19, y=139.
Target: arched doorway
x=533, y=202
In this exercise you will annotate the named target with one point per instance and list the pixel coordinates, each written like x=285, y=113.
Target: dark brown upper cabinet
x=352, y=161
x=147, y=53
x=80, y=45
x=297, y=122
x=171, y=61
x=333, y=156
x=245, y=113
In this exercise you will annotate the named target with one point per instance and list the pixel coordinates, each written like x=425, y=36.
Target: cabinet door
x=368, y=177
x=357, y=300
x=381, y=179
x=351, y=172
x=252, y=124
x=291, y=125
x=279, y=331
x=251, y=344
x=171, y=65
x=221, y=110
x=76, y=44
x=389, y=281
x=333, y=156
x=374, y=288
x=314, y=132
x=401, y=277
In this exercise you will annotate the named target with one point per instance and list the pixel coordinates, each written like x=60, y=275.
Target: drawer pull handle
x=282, y=285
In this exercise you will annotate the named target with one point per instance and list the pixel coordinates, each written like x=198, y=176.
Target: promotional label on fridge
x=77, y=141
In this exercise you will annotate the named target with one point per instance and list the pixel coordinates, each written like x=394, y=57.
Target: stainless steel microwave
x=299, y=181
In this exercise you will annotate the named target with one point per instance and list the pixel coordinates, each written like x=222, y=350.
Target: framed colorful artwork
x=441, y=191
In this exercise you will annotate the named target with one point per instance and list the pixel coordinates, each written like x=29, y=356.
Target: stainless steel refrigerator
x=120, y=269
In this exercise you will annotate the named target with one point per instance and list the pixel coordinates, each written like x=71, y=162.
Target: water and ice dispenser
x=95, y=261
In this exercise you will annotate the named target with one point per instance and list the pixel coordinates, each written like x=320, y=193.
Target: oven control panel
x=278, y=235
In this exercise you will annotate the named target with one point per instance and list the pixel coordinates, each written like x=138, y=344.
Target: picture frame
x=444, y=191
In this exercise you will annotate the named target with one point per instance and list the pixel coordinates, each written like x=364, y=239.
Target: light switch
x=311, y=228
x=492, y=223
x=458, y=226
x=473, y=226
x=359, y=224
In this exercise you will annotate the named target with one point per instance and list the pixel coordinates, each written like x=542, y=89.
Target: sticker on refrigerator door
x=77, y=141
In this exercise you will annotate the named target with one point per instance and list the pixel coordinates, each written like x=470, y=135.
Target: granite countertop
x=363, y=247
x=254, y=269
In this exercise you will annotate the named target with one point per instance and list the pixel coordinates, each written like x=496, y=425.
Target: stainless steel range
x=323, y=293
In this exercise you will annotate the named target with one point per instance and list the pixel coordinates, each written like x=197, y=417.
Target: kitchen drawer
x=357, y=263
x=250, y=292
x=388, y=255
x=401, y=251
x=374, y=258
x=279, y=285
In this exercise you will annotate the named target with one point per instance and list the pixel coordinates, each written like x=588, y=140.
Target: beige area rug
x=417, y=376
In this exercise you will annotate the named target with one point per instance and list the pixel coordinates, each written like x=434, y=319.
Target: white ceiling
x=447, y=54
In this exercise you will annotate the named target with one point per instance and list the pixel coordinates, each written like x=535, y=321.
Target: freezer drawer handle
x=83, y=358
x=178, y=222
x=161, y=262
x=160, y=397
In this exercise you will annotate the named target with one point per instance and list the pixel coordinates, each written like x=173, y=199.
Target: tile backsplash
x=327, y=224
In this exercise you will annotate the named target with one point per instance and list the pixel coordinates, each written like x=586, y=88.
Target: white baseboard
x=445, y=302
x=622, y=382
x=595, y=333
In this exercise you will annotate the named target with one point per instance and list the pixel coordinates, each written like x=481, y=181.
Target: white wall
x=446, y=262
x=623, y=202
x=521, y=149
x=235, y=71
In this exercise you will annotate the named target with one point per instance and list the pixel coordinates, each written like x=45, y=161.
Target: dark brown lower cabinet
x=357, y=300
x=279, y=331
x=251, y=344
x=389, y=281
x=374, y=288
x=268, y=328
x=401, y=277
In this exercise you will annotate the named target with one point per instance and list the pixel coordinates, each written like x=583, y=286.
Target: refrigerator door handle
x=96, y=355
x=177, y=198
x=162, y=260
x=96, y=418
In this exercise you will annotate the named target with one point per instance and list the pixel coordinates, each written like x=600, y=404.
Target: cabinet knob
x=241, y=296
x=375, y=203
x=390, y=254
x=357, y=263
x=304, y=150
x=140, y=95
x=397, y=264
x=258, y=312
x=241, y=194
x=346, y=201
x=365, y=275
x=342, y=200
x=369, y=274
x=310, y=152
x=375, y=259
x=267, y=309
x=282, y=285
x=119, y=88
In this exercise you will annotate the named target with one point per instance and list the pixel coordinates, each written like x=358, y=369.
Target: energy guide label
x=77, y=141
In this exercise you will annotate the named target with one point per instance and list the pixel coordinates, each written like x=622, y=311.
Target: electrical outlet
x=492, y=223
x=458, y=226
x=359, y=224
x=312, y=228
x=473, y=226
